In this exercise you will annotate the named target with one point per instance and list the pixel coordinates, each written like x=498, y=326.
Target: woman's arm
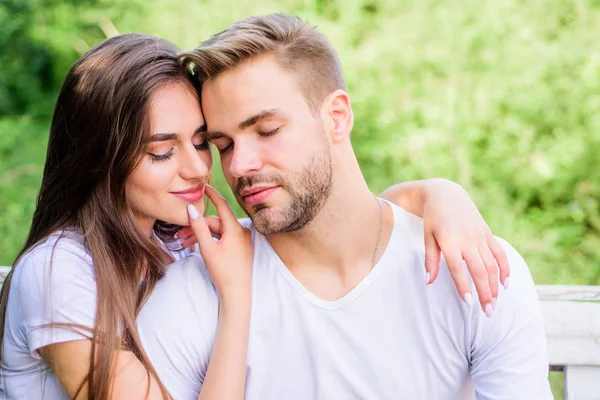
x=229, y=263
x=70, y=362
x=225, y=377
x=454, y=227
x=226, y=374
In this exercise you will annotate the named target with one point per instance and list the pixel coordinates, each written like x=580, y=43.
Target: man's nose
x=245, y=159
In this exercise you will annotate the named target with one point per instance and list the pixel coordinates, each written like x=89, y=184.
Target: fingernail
x=489, y=310
x=494, y=302
x=468, y=299
x=506, y=282
x=427, y=277
x=193, y=211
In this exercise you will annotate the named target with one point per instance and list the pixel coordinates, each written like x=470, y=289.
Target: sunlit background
x=501, y=96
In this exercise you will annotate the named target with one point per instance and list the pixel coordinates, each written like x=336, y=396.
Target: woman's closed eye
x=205, y=145
x=156, y=156
x=161, y=157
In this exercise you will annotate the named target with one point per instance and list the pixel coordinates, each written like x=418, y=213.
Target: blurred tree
x=26, y=63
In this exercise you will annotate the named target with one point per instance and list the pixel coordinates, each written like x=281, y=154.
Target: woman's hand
x=454, y=227
x=228, y=259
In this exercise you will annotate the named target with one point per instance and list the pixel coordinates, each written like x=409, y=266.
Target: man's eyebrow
x=214, y=135
x=266, y=114
x=247, y=123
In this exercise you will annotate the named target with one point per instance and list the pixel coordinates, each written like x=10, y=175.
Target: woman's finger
x=457, y=269
x=501, y=259
x=200, y=228
x=432, y=258
x=492, y=270
x=480, y=279
x=189, y=241
x=228, y=219
x=184, y=233
x=214, y=224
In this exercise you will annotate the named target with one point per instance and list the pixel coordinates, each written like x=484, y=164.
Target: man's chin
x=267, y=221
x=266, y=207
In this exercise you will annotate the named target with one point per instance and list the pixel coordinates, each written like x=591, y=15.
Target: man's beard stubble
x=309, y=189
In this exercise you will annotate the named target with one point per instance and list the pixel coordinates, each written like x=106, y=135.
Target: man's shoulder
x=412, y=230
x=521, y=280
x=410, y=225
x=407, y=234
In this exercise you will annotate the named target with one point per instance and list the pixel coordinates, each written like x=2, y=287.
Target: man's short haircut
x=296, y=45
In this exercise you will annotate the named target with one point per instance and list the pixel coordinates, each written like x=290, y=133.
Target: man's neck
x=336, y=248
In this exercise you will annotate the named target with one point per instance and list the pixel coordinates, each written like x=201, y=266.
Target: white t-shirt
x=389, y=338
x=53, y=283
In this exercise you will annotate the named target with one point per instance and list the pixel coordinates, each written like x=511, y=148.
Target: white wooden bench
x=572, y=323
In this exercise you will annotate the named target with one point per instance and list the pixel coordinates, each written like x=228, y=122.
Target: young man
x=339, y=310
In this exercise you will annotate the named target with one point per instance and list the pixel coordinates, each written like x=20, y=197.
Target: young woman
x=127, y=166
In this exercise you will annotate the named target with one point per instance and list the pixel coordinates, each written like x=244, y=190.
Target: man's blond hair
x=296, y=45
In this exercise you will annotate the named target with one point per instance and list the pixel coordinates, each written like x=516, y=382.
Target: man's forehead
x=235, y=106
x=247, y=72
x=252, y=80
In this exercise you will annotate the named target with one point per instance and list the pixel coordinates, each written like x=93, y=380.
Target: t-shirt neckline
x=276, y=262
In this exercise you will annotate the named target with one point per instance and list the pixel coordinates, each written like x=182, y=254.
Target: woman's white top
x=53, y=283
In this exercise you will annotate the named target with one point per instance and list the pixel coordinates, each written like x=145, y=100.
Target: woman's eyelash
x=202, y=146
x=161, y=157
x=164, y=157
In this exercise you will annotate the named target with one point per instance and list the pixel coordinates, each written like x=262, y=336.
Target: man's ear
x=338, y=113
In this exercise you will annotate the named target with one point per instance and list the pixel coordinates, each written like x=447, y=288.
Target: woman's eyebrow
x=161, y=137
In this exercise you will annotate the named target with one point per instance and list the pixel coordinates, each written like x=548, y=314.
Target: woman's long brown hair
x=96, y=141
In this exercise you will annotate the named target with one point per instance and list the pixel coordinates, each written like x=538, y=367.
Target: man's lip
x=259, y=196
x=193, y=189
x=256, y=189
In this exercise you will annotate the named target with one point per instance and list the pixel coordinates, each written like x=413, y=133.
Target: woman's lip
x=190, y=197
x=193, y=189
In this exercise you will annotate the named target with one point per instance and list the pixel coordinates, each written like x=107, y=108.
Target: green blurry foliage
x=502, y=97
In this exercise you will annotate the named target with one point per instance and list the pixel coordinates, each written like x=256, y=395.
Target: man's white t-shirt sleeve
x=508, y=352
x=55, y=287
x=177, y=326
